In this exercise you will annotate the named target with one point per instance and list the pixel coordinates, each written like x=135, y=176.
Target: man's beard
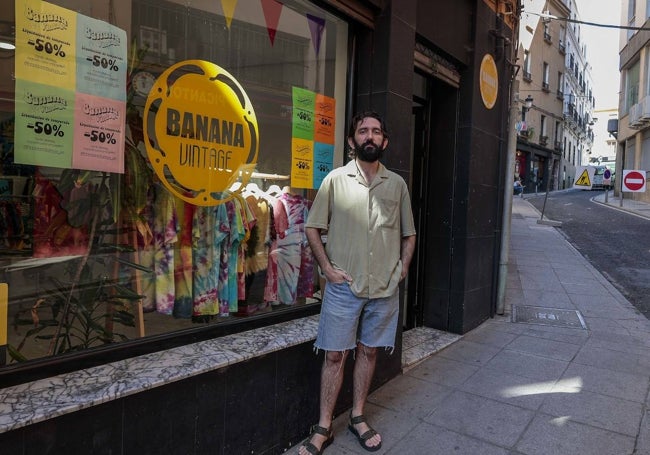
x=368, y=152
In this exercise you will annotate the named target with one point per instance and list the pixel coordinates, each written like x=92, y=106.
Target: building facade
x=634, y=106
x=555, y=133
x=158, y=159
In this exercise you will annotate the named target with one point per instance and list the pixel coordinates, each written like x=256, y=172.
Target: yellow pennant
x=228, y=10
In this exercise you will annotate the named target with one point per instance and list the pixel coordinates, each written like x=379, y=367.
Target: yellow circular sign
x=489, y=81
x=200, y=131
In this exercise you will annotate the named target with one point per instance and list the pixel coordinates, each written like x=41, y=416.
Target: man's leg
x=364, y=369
x=330, y=386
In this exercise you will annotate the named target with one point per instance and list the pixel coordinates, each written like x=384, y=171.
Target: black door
x=413, y=316
x=434, y=117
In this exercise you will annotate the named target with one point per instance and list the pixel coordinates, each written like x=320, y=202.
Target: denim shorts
x=346, y=319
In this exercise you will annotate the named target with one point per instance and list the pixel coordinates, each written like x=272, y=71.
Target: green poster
x=303, y=113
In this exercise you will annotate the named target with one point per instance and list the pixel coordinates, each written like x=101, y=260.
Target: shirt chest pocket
x=387, y=213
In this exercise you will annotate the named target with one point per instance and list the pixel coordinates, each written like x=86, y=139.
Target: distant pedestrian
x=518, y=188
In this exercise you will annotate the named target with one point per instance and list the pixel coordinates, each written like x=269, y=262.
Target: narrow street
x=615, y=242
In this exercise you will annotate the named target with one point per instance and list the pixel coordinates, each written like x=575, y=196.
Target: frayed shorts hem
x=347, y=320
x=316, y=349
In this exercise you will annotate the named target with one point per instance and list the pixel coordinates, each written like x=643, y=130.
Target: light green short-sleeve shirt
x=365, y=226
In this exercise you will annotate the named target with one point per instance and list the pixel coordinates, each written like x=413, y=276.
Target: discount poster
x=70, y=89
x=312, y=145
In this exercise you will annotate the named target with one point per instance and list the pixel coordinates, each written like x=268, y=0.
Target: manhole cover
x=548, y=316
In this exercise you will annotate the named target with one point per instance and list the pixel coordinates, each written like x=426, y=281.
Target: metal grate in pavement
x=548, y=316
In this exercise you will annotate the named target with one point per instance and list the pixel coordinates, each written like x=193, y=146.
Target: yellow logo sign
x=489, y=81
x=583, y=180
x=201, y=132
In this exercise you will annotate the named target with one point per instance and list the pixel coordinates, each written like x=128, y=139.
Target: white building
x=555, y=132
x=579, y=99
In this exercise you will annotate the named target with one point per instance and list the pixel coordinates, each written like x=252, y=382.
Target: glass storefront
x=158, y=160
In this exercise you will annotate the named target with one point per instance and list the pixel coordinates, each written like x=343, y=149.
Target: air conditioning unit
x=634, y=116
x=644, y=114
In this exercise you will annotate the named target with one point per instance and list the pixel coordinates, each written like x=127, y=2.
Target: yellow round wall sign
x=489, y=81
x=201, y=132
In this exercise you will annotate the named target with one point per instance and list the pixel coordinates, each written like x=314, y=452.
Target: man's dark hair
x=358, y=118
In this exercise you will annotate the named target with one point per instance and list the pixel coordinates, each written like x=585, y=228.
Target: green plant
x=530, y=133
x=84, y=310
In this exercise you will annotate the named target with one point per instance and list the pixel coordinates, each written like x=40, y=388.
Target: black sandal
x=363, y=438
x=327, y=432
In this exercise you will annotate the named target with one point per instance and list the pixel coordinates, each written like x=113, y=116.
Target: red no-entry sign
x=633, y=181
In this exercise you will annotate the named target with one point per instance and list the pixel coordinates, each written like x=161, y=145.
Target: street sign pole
x=548, y=184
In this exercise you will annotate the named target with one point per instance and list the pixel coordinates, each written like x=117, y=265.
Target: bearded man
x=366, y=211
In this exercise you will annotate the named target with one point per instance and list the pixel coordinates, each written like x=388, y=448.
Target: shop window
x=95, y=257
x=632, y=86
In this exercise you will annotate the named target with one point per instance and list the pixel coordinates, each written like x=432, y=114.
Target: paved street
x=614, y=241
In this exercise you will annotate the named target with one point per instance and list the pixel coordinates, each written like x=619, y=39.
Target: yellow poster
x=302, y=163
x=4, y=296
x=45, y=44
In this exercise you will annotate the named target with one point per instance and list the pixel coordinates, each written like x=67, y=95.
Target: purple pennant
x=317, y=27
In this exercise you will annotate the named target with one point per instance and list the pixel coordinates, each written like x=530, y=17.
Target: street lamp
x=528, y=102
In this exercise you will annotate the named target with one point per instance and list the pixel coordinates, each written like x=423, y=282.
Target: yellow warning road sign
x=584, y=180
x=584, y=177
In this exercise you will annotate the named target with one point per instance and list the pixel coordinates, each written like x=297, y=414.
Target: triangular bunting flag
x=272, y=10
x=316, y=27
x=228, y=10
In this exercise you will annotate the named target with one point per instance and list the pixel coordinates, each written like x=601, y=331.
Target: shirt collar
x=352, y=170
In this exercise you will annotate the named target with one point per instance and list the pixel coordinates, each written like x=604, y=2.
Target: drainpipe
x=511, y=150
x=507, y=195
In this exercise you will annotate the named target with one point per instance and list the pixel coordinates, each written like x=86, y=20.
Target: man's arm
x=332, y=274
x=406, y=254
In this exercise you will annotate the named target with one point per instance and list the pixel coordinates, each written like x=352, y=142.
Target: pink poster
x=98, y=134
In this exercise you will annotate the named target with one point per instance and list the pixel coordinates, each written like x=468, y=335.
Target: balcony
x=527, y=76
x=558, y=146
x=560, y=95
x=561, y=48
x=547, y=38
x=543, y=140
x=545, y=87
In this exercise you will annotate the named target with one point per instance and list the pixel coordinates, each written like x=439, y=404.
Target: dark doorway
x=413, y=316
x=434, y=117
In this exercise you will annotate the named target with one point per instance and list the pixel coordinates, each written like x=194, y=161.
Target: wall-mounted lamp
x=528, y=102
